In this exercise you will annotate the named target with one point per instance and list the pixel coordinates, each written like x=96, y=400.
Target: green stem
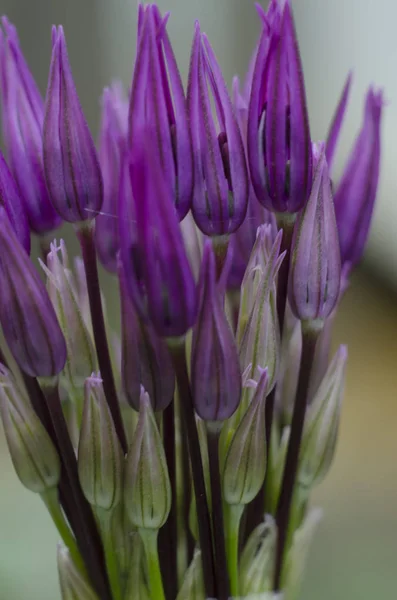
x=112, y=567
x=50, y=499
x=149, y=539
x=233, y=514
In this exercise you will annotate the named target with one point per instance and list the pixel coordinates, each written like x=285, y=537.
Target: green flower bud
x=257, y=559
x=322, y=422
x=100, y=458
x=33, y=454
x=147, y=488
x=73, y=585
x=245, y=462
x=193, y=584
x=275, y=467
x=62, y=289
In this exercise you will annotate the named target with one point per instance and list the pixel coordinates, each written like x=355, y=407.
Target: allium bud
x=215, y=369
x=147, y=488
x=257, y=559
x=322, y=423
x=100, y=458
x=221, y=179
x=11, y=202
x=275, y=466
x=71, y=165
x=279, y=143
x=155, y=262
x=287, y=382
x=336, y=125
x=158, y=100
x=23, y=115
x=193, y=584
x=73, y=584
x=112, y=143
x=245, y=462
x=145, y=358
x=27, y=317
x=61, y=287
x=315, y=270
x=356, y=193
x=33, y=454
x=260, y=340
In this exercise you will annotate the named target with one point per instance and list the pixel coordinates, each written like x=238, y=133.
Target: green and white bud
x=275, y=467
x=258, y=558
x=147, y=488
x=193, y=583
x=73, y=585
x=32, y=451
x=245, y=463
x=100, y=458
x=287, y=382
x=322, y=423
x=62, y=289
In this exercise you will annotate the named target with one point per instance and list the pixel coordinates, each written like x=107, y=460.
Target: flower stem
x=85, y=235
x=177, y=349
x=309, y=339
x=50, y=499
x=105, y=522
x=221, y=573
x=149, y=539
x=233, y=516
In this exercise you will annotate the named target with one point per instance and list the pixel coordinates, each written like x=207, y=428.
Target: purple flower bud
x=221, y=177
x=158, y=101
x=27, y=317
x=112, y=143
x=336, y=125
x=315, y=270
x=279, y=144
x=23, y=115
x=71, y=165
x=156, y=266
x=215, y=369
x=11, y=201
x=356, y=193
x=145, y=359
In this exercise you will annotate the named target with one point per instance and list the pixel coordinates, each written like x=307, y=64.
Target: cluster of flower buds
x=215, y=214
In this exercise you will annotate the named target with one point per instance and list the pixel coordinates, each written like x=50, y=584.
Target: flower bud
x=23, y=115
x=100, y=458
x=315, y=270
x=145, y=359
x=257, y=559
x=33, y=454
x=279, y=143
x=275, y=466
x=27, y=317
x=335, y=127
x=158, y=100
x=245, y=462
x=11, y=202
x=260, y=340
x=215, y=369
x=147, y=488
x=322, y=422
x=112, y=144
x=221, y=177
x=287, y=382
x=193, y=584
x=73, y=584
x=71, y=165
x=61, y=287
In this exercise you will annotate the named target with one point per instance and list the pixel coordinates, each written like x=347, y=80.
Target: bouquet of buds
x=177, y=461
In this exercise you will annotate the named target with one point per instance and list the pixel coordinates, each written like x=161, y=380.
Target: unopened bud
x=100, y=458
x=193, y=584
x=33, y=454
x=73, y=584
x=257, y=559
x=147, y=488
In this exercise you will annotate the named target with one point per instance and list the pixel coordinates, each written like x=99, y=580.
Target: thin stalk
x=218, y=530
x=309, y=338
x=168, y=533
x=85, y=235
x=112, y=565
x=50, y=499
x=177, y=349
x=185, y=545
x=149, y=539
x=233, y=514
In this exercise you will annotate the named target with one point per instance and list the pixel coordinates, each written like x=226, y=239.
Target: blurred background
x=355, y=550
